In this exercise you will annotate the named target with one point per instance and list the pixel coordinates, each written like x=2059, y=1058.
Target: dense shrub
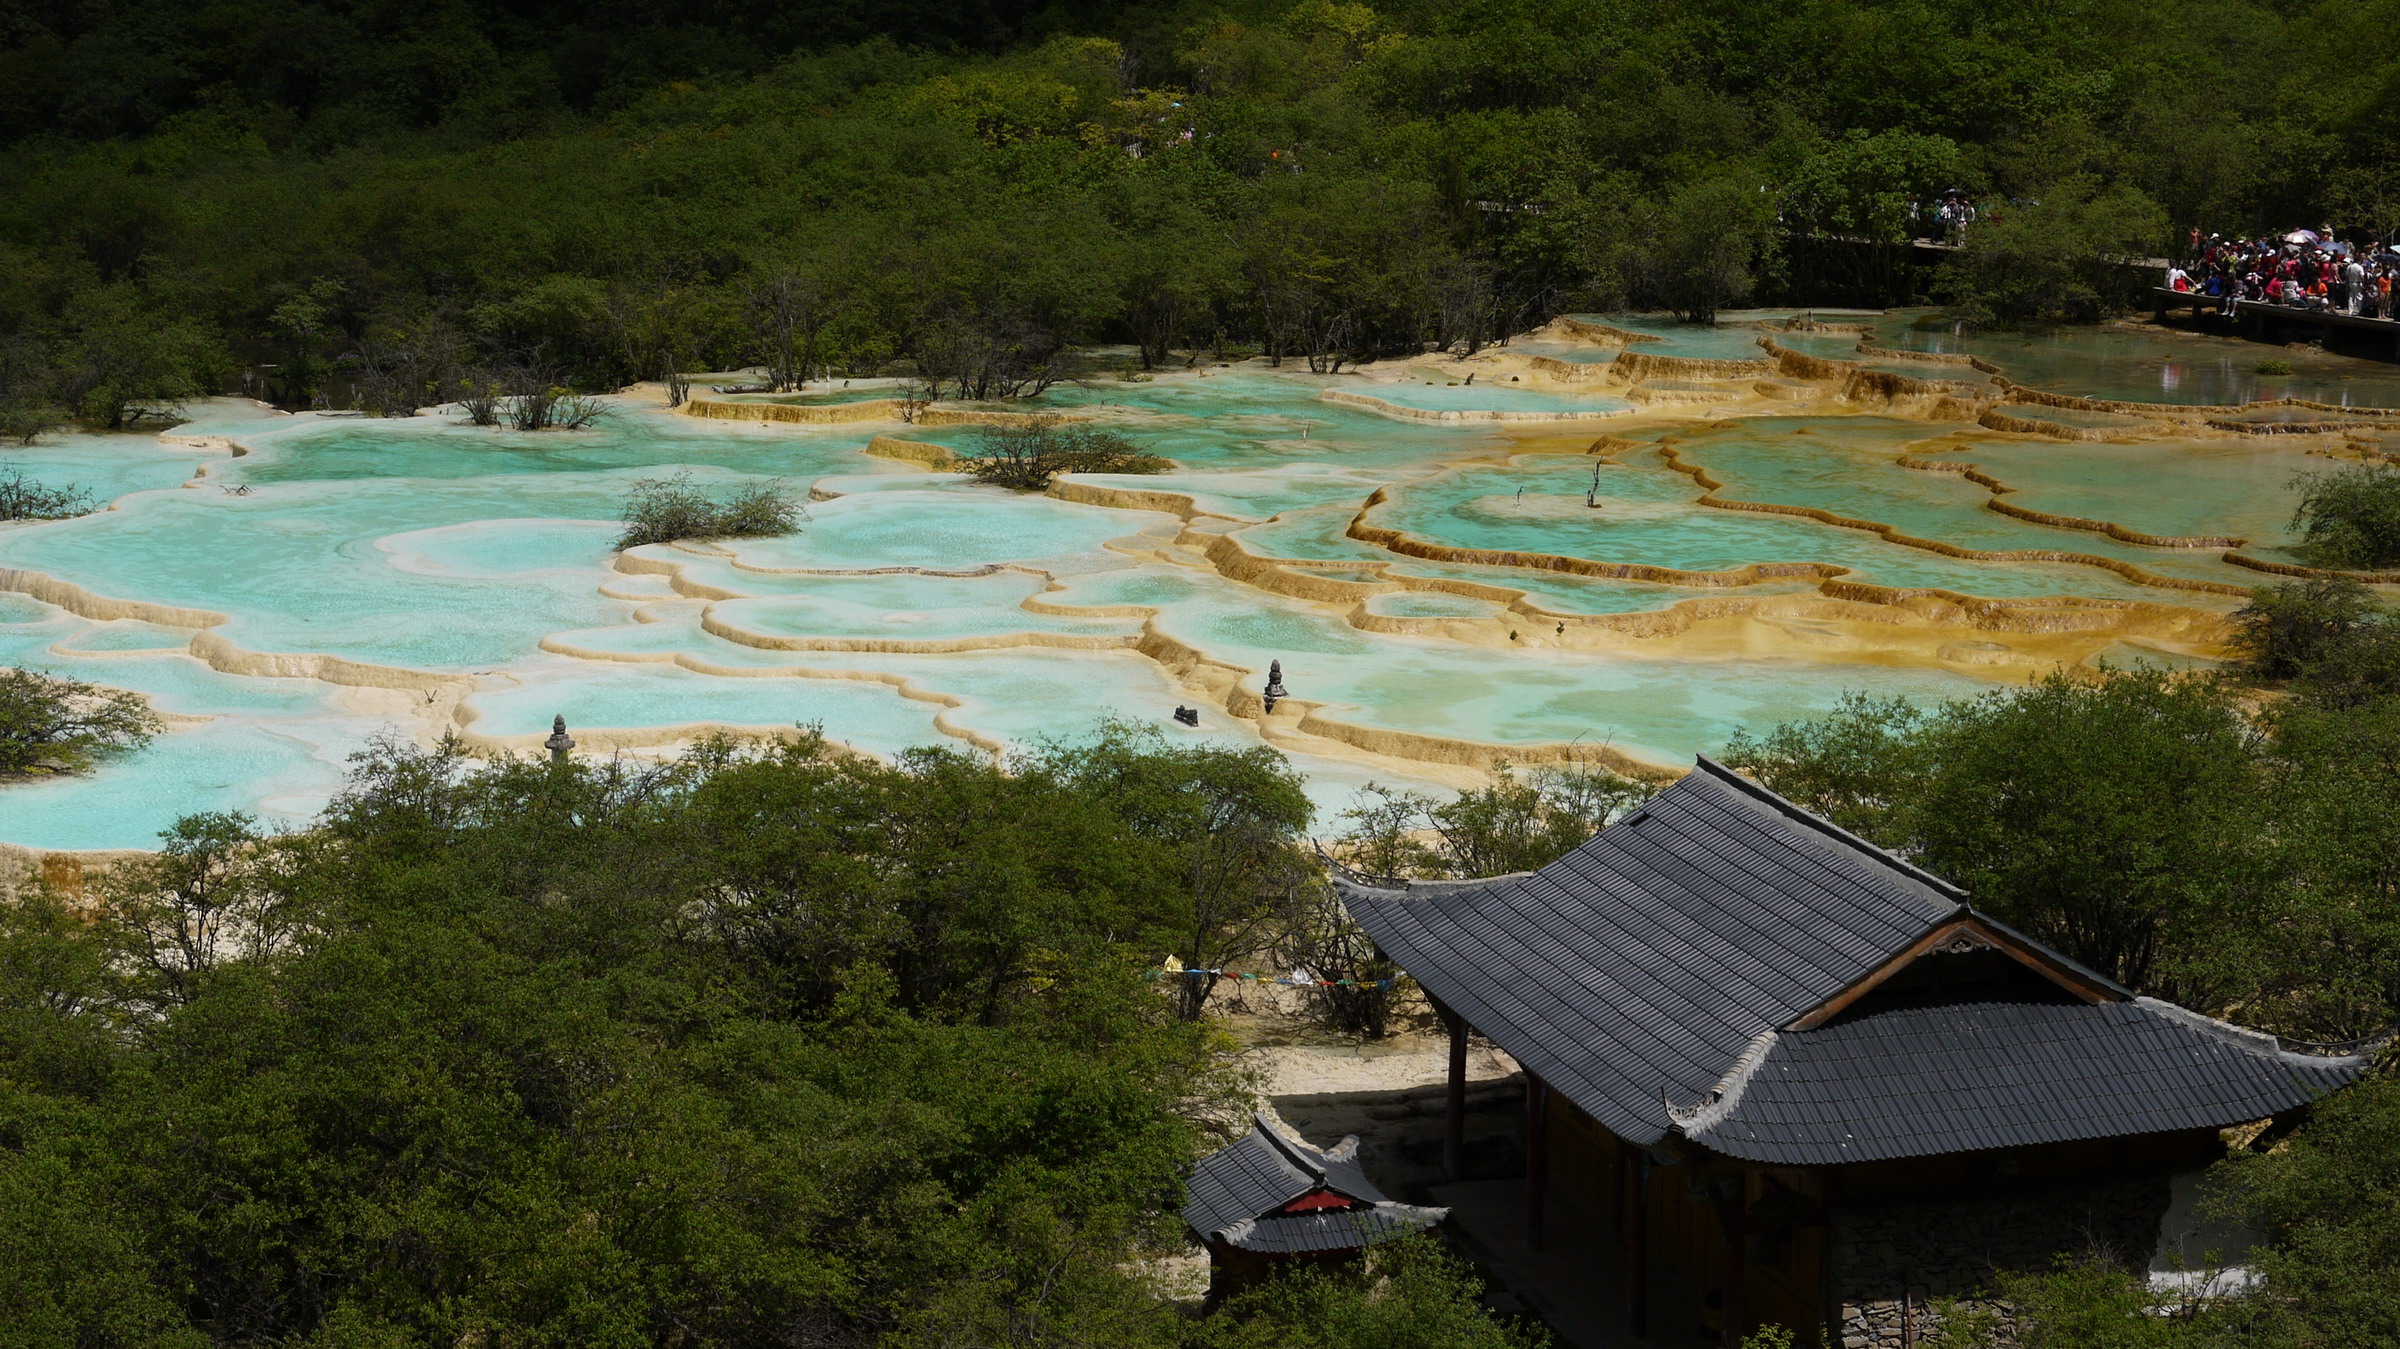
x=1409, y=1294
x=52, y=725
x=2285, y=628
x=2350, y=517
x=1519, y=823
x=662, y=510
x=2360, y=670
x=1026, y=455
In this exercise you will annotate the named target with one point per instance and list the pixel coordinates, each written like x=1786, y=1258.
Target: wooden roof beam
x=1958, y=936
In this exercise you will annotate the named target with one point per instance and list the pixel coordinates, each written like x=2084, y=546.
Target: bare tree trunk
x=1328, y=334
x=786, y=310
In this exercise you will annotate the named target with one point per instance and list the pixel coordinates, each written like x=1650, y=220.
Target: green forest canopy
x=591, y=189
x=766, y=1046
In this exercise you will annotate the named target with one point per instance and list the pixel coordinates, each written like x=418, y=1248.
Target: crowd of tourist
x=1946, y=218
x=2305, y=269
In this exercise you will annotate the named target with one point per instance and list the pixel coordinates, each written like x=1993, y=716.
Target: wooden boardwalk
x=2273, y=315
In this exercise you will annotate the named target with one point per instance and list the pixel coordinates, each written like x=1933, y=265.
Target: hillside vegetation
x=430, y=197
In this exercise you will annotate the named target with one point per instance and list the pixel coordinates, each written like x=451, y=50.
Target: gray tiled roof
x=1339, y=1230
x=1646, y=959
x=1235, y=1192
x=1641, y=968
x=1908, y=1075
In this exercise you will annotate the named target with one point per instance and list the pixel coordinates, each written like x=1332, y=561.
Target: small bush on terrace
x=662, y=510
x=2287, y=628
x=50, y=725
x=2350, y=517
x=1026, y=455
x=21, y=498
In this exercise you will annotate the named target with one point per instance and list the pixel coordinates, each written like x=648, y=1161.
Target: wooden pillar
x=1537, y=1157
x=1454, y=1105
x=1621, y=1190
x=1637, y=1249
x=1732, y=1305
x=1732, y=1302
x=1829, y=1276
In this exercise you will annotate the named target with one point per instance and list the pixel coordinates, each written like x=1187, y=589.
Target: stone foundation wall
x=1893, y=1260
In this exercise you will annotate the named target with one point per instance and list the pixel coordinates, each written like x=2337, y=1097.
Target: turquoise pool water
x=409, y=577
x=1720, y=341
x=108, y=467
x=1488, y=397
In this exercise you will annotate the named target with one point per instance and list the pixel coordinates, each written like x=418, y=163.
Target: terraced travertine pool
x=1634, y=583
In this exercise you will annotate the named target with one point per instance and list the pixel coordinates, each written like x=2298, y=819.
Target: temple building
x=1267, y=1200
x=1812, y=1077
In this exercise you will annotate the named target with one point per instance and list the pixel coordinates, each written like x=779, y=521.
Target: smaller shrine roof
x=1241, y=1192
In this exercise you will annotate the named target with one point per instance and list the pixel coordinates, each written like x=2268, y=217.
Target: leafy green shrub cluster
x=1026, y=455
x=1522, y=822
x=662, y=510
x=2333, y=641
x=2285, y=629
x=1411, y=1293
x=2350, y=517
x=52, y=725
